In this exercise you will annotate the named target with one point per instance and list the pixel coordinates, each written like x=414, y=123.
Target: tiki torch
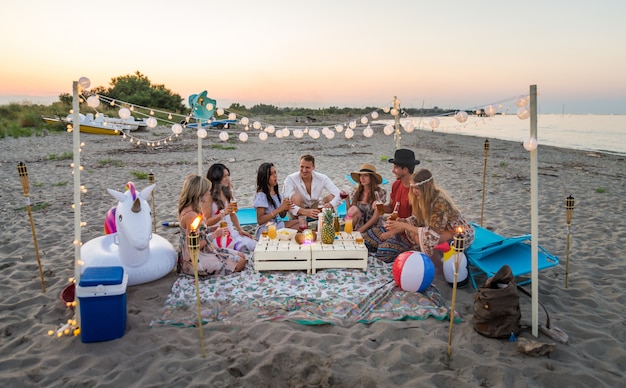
x=459, y=247
x=486, y=154
x=151, y=180
x=23, y=172
x=194, y=250
x=569, y=211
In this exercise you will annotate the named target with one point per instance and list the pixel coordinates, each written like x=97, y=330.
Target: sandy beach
x=285, y=354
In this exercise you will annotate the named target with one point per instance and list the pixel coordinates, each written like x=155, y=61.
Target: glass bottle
x=394, y=215
x=336, y=223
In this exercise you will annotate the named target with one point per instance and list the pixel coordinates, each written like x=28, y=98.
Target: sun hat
x=367, y=168
x=404, y=157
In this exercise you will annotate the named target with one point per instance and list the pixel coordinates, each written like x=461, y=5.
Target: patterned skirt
x=386, y=250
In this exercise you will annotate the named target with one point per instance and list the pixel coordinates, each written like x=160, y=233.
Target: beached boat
x=101, y=125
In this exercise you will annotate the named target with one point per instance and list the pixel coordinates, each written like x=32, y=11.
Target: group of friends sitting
x=421, y=214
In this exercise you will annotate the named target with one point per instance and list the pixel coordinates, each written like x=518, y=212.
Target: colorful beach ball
x=413, y=271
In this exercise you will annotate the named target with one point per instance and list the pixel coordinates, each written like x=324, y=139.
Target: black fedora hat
x=404, y=157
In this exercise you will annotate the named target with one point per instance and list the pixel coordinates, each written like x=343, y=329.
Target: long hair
x=194, y=187
x=429, y=191
x=215, y=175
x=373, y=186
x=263, y=183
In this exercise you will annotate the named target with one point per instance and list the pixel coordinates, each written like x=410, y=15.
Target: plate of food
x=285, y=234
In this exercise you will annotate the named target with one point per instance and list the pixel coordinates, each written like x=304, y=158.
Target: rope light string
x=262, y=130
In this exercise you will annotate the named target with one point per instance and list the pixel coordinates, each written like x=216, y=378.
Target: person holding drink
x=224, y=210
x=361, y=204
x=270, y=206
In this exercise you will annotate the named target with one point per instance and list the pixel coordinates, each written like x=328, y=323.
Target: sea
x=601, y=133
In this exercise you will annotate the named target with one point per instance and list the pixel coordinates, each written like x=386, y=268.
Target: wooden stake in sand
x=194, y=251
x=396, y=120
x=151, y=180
x=23, y=172
x=486, y=152
x=459, y=247
x=569, y=211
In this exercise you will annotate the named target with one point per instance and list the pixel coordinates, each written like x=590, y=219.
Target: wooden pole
x=194, y=251
x=23, y=173
x=199, y=148
x=459, y=247
x=486, y=154
x=396, y=119
x=534, y=214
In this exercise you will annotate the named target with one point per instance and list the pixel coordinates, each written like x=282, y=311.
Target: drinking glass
x=347, y=227
x=271, y=231
x=302, y=224
x=264, y=233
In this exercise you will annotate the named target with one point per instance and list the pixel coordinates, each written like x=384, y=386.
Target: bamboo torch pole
x=23, y=172
x=569, y=211
x=396, y=120
x=194, y=251
x=151, y=180
x=459, y=247
x=486, y=154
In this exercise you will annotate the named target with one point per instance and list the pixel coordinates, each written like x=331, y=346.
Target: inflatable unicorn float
x=129, y=242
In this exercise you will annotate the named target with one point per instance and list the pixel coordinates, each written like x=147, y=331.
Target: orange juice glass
x=271, y=231
x=347, y=227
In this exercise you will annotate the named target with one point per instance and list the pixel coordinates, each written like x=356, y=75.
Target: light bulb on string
x=368, y=132
x=434, y=123
x=177, y=129
x=521, y=101
x=201, y=133
x=364, y=120
x=270, y=129
x=245, y=121
x=243, y=136
x=330, y=134
x=169, y=116
x=124, y=113
x=84, y=82
x=409, y=127
x=263, y=136
x=298, y=134
x=523, y=113
x=352, y=124
x=93, y=101
x=220, y=111
x=374, y=115
x=314, y=133
x=490, y=110
x=286, y=132
x=151, y=122
x=256, y=125
x=394, y=112
x=530, y=144
x=279, y=134
x=388, y=130
x=349, y=133
x=461, y=116
x=223, y=136
x=232, y=116
x=339, y=128
x=386, y=109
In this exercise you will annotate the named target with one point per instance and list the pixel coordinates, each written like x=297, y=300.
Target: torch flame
x=459, y=230
x=196, y=222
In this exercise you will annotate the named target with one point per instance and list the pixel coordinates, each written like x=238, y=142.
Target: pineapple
x=328, y=230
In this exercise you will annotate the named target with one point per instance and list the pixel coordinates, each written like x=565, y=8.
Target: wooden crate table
x=276, y=255
x=343, y=253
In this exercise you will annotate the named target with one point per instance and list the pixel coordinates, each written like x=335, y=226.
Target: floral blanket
x=332, y=296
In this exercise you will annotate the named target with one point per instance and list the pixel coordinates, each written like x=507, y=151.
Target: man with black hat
x=385, y=245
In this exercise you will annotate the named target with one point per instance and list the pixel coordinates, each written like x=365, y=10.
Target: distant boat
x=101, y=125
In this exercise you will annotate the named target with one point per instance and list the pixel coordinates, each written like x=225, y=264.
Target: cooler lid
x=94, y=276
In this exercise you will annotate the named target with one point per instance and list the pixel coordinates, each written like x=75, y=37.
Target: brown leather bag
x=497, y=311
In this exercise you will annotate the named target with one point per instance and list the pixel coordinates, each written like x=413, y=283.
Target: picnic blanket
x=341, y=297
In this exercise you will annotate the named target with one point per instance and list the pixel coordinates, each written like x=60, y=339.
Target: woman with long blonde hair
x=435, y=217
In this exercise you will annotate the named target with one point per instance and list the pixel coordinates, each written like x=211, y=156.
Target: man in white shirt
x=305, y=189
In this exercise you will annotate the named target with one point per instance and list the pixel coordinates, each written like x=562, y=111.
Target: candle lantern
x=23, y=173
x=486, y=154
x=459, y=247
x=193, y=243
x=569, y=212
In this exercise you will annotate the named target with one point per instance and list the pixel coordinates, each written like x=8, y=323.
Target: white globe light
x=279, y=134
x=263, y=136
x=339, y=128
x=374, y=115
x=349, y=133
x=352, y=124
x=434, y=123
x=386, y=109
x=151, y=122
x=325, y=130
x=286, y=132
x=243, y=136
x=232, y=116
x=245, y=121
x=220, y=111
x=388, y=130
x=490, y=110
x=298, y=134
x=93, y=101
x=530, y=144
x=522, y=101
x=223, y=136
x=84, y=82
x=270, y=129
x=330, y=134
x=124, y=113
x=461, y=116
x=201, y=133
x=256, y=125
x=394, y=112
x=364, y=120
x=409, y=127
x=368, y=132
x=314, y=133
x=177, y=129
x=209, y=106
x=523, y=113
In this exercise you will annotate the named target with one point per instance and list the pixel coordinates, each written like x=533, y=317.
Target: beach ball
x=413, y=271
x=448, y=268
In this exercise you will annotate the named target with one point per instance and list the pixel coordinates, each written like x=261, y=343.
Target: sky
x=344, y=53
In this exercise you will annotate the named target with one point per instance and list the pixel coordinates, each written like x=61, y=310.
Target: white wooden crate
x=343, y=253
x=275, y=255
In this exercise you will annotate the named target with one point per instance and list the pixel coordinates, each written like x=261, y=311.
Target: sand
x=400, y=353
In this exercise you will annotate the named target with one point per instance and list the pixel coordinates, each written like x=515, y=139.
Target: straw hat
x=367, y=168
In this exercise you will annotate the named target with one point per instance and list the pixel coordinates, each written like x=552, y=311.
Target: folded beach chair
x=490, y=251
x=247, y=215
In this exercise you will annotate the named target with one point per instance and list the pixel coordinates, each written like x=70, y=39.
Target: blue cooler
x=101, y=293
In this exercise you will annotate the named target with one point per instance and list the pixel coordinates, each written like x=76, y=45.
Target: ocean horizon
x=600, y=133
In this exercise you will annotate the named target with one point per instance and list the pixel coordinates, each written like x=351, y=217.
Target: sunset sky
x=450, y=54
